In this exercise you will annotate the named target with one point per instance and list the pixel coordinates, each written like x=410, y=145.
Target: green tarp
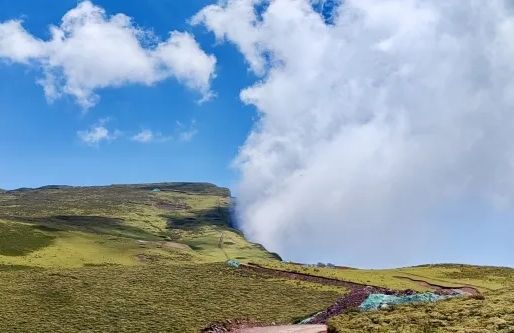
x=380, y=301
x=233, y=263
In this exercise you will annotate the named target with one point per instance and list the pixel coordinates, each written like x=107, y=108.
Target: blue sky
x=38, y=140
x=376, y=118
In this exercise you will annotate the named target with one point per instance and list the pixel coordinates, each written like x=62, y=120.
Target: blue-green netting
x=378, y=301
x=233, y=263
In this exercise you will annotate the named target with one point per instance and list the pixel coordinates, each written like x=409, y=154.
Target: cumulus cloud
x=385, y=133
x=90, y=50
x=98, y=133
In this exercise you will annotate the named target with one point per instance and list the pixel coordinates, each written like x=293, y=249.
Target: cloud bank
x=91, y=50
x=385, y=133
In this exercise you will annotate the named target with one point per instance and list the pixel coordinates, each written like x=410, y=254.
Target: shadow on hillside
x=218, y=216
x=92, y=224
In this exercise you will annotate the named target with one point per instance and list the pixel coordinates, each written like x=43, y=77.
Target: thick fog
x=386, y=129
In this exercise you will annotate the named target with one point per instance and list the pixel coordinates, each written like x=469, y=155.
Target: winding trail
x=307, y=277
x=437, y=287
x=357, y=293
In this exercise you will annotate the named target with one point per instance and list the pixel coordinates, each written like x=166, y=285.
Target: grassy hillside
x=73, y=226
x=147, y=298
x=492, y=311
x=482, y=278
x=151, y=258
x=134, y=258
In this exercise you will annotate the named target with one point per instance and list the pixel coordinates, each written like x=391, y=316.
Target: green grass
x=18, y=239
x=150, y=298
x=479, y=277
x=76, y=249
x=126, y=259
x=74, y=226
x=494, y=313
x=381, y=278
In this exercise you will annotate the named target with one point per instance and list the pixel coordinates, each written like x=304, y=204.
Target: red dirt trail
x=439, y=288
x=357, y=293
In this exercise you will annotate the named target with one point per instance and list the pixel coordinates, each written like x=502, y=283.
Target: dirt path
x=352, y=286
x=357, y=292
x=286, y=329
x=440, y=288
x=307, y=277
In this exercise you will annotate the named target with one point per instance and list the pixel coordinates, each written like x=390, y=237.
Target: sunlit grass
x=151, y=298
x=103, y=224
x=127, y=259
x=482, y=278
x=494, y=313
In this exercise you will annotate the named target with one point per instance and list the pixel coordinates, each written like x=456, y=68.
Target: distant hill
x=196, y=215
x=188, y=187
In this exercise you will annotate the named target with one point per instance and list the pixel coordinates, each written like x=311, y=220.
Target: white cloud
x=186, y=133
x=145, y=136
x=378, y=133
x=98, y=133
x=236, y=22
x=91, y=50
x=17, y=45
x=149, y=136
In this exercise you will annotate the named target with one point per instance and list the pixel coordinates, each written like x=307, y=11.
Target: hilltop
x=112, y=223
x=152, y=258
x=134, y=258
